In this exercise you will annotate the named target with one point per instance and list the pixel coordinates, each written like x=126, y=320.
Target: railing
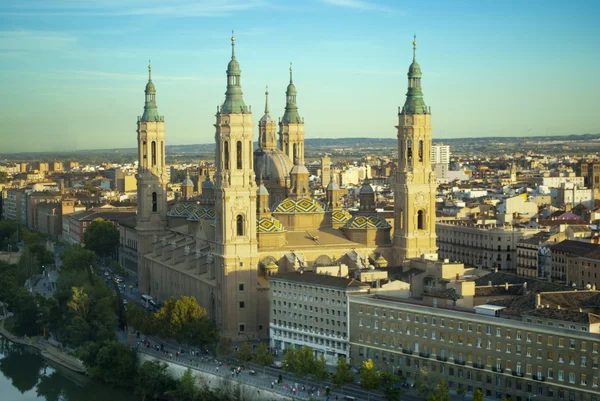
x=478, y=366
x=457, y=362
x=424, y=354
x=442, y=358
x=518, y=374
x=407, y=351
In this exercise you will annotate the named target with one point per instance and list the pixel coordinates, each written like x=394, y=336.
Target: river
x=26, y=376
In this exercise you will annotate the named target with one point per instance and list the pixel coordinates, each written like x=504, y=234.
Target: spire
x=267, y=101
x=150, y=109
x=234, y=102
x=414, y=97
x=291, y=108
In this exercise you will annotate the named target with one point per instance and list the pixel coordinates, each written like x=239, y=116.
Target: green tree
x=185, y=389
x=224, y=347
x=424, y=384
x=263, y=357
x=290, y=360
x=112, y=362
x=320, y=371
x=440, y=392
x=478, y=395
x=4, y=178
x=388, y=384
x=137, y=318
x=178, y=318
x=305, y=361
x=369, y=378
x=342, y=374
x=117, y=268
x=153, y=380
x=77, y=258
x=29, y=265
x=101, y=237
x=244, y=352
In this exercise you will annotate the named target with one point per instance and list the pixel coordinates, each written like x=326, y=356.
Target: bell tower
x=415, y=182
x=291, y=127
x=236, y=247
x=151, y=180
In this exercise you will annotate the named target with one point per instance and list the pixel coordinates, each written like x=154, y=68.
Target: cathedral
x=257, y=217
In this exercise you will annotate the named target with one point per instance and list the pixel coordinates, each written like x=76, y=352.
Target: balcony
x=441, y=358
x=462, y=363
x=538, y=378
x=517, y=374
x=497, y=369
x=407, y=351
x=424, y=354
x=478, y=365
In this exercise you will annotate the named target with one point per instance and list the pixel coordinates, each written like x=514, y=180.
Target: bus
x=147, y=301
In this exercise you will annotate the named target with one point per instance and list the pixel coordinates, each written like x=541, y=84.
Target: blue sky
x=73, y=71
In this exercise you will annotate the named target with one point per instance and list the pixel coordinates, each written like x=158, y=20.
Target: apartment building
x=533, y=255
x=311, y=309
x=544, y=344
x=565, y=256
x=486, y=245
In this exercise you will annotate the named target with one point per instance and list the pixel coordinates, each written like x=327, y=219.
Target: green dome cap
x=291, y=108
x=234, y=101
x=414, y=103
x=150, y=108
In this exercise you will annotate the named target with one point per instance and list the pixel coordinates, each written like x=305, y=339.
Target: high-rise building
x=440, y=154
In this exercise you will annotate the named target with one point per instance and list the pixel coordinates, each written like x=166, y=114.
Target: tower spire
x=291, y=81
x=150, y=108
x=234, y=102
x=291, y=108
x=267, y=100
x=415, y=48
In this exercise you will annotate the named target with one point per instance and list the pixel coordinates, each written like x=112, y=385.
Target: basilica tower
x=291, y=127
x=415, y=182
x=151, y=179
x=235, y=250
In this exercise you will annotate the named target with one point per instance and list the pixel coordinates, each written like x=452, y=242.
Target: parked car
x=278, y=364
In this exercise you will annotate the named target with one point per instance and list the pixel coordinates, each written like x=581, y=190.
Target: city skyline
x=76, y=73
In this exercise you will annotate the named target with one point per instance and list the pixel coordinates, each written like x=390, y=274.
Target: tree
x=29, y=265
x=26, y=316
x=102, y=237
x=462, y=392
x=342, y=374
x=112, y=362
x=290, y=359
x=79, y=303
x=305, y=361
x=478, y=395
x=185, y=389
x=320, y=371
x=77, y=258
x=263, y=357
x=137, y=318
x=185, y=320
x=369, y=378
x=440, y=393
x=224, y=347
x=424, y=384
x=153, y=380
x=244, y=352
x=388, y=383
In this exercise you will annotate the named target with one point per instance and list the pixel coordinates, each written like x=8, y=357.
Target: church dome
x=269, y=225
x=333, y=186
x=414, y=71
x=182, y=210
x=272, y=164
x=207, y=184
x=302, y=205
x=150, y=88
x=367, y=222
x=366, y=188
x=202, y=213
x=340, y=216
x=187, y=182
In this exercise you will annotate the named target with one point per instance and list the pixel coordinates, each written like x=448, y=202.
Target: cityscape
x=258, y=260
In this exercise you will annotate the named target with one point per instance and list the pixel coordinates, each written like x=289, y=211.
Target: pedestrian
x=217, y=368
x=272, y=385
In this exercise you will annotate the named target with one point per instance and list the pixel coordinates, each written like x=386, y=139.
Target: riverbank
x=46, y=349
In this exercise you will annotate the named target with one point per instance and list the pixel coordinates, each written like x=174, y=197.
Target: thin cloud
x=358, y=5
x=35, y=41
x=114, y=8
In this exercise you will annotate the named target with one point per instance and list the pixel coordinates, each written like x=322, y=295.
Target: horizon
x=75, y=73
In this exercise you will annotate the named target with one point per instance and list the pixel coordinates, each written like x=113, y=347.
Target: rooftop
x=319, y=279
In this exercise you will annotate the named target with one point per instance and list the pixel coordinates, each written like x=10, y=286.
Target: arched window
x=409, y=150
x=421, y=151
x=421, y=220
x=238, y=155
x=239, y=225
x=226, y=154
x=153, y=151
x=154, y=202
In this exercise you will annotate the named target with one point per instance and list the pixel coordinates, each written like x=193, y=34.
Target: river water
x=26, y=376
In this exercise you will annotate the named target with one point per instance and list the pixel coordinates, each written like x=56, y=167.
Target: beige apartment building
x=542, y=344
x=485, y=245
x=311, y=309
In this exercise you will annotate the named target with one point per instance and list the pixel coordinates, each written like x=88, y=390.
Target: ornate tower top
x=291, y=108
x=234, y=102
x=266, y=118
x=414, y=97
x=150, y=109
x=267, y=127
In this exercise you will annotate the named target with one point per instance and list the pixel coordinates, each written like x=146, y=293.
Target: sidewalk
x=47, y=350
